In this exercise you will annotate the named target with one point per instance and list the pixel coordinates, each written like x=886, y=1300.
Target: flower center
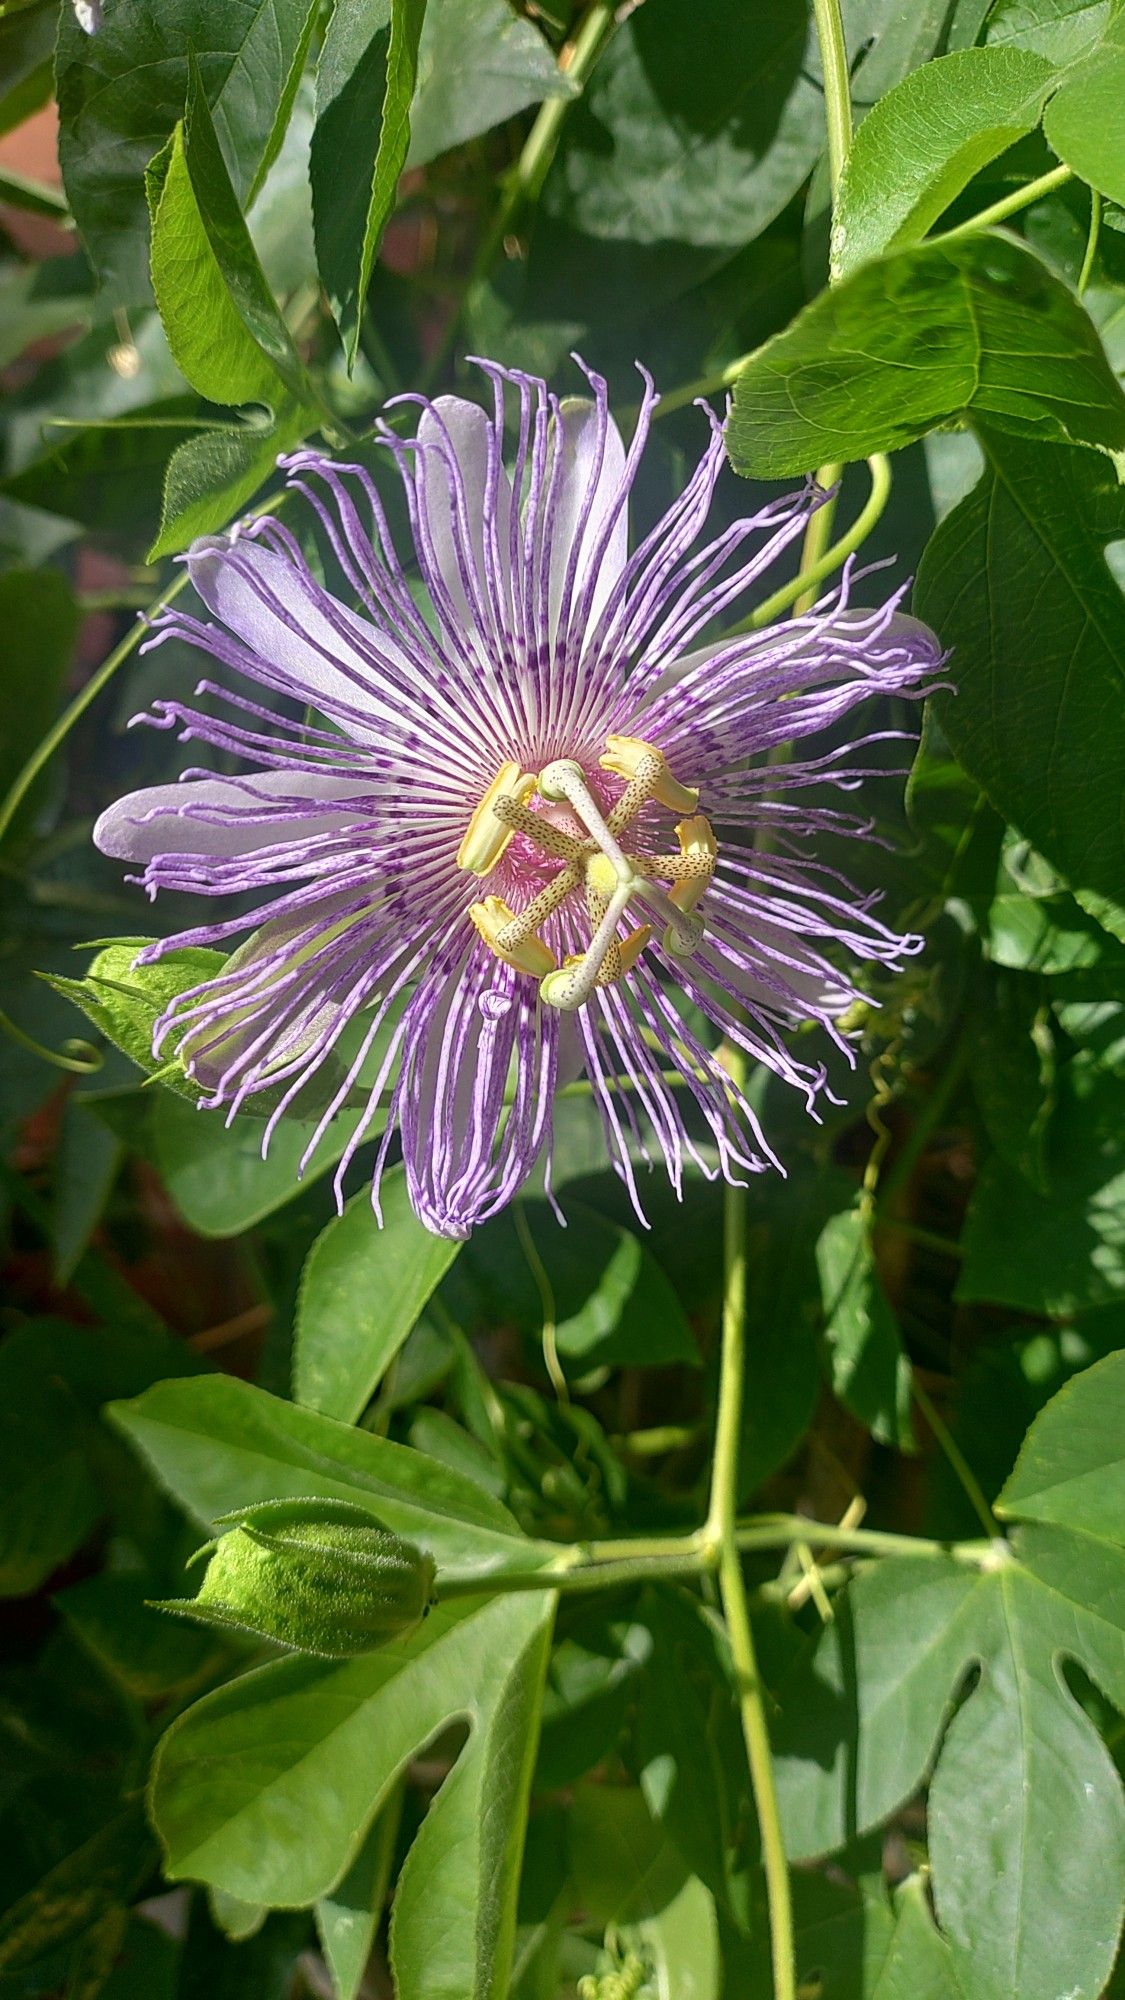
x=610, y=875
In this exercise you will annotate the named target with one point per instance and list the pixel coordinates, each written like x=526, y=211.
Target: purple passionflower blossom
x=518, y=841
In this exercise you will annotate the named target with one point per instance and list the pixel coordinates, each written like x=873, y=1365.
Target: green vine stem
x=615, y=1565
x=720, y=1537
x=1086, y=272
x=1010, y=204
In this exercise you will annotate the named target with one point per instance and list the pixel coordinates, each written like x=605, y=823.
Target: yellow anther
x=485, y=836
x=530, y=955
x=698, y=847
x=630, y=948
x=624, y=755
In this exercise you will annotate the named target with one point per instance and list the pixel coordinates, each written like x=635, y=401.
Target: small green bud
x=319, y=1576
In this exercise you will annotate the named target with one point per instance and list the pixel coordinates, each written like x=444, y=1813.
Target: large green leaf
x=1061, y=1251
x=1016, y=583
x=267, y=1788
x=1085, y=121
x=695, y=127
x=216, y=1174
x=922, y=143
x=916, y=339
x=1027, y=1821
x=478, y=63
x=122, y=90
x=362, y=1289
x=364, y=84
x=219, y=1445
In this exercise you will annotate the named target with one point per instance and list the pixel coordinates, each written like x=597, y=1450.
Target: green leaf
x=1064, y=1251
x=693, y=129
x=219, y=1446
x=594, y=1281
x=220, y=316
x=296, y=1733
x=86, y=1167
x=1017, y=574
x=1027, y=1823
x=1085, y=120
x=122, y=90
x=27, y=42
x=1071, y=1467
x=478, y=64
x=922, y=143
x=623, y=1866
x=348, y=1917
x=211, y=477
x=39, y=618
x=681, y=1943
x=125, y=1000
x=224, y=330
x=1035, y=925
x=216, y=1174
x=364, y=84
x=870, y=1372
x=362, y=1290
x=916, y=339
x=1062, y=30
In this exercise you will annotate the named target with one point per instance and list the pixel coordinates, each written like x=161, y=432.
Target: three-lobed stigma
x=596, y=864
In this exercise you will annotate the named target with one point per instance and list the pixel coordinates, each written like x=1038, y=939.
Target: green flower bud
x=318, y=1576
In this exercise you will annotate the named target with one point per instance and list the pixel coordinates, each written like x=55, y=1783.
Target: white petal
x=587, y=487
x=451, y=426
x=293, y=634
x=154, y=821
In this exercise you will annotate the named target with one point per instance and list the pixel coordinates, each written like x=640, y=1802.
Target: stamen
x=623, y=757
x=492, y=918
x=486, y=836
x=564, y=780
x=692, y=868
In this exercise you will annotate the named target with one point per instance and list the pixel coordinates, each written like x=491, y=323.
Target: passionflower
x=502, y=823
